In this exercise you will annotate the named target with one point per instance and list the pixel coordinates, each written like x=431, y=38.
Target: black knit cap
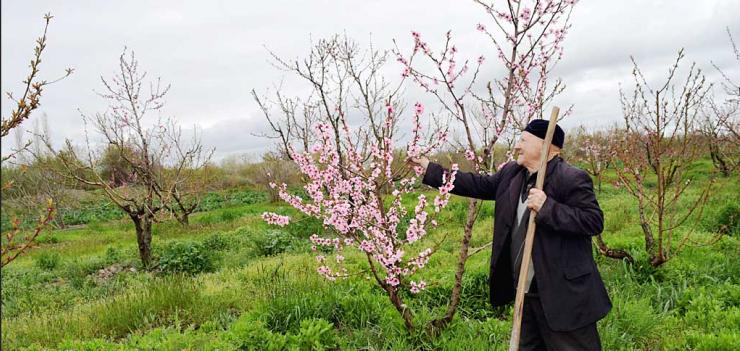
x=538, y=128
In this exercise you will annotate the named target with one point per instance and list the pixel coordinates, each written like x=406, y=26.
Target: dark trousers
x=537, y=335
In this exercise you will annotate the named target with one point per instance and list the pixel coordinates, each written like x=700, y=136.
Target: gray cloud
x=213, y=52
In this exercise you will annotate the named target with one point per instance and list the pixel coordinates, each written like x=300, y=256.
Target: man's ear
x=554, y=150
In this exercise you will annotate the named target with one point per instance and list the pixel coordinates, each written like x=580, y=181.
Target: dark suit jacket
x=568, y=283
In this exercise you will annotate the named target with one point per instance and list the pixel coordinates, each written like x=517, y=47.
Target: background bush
x=188, y=257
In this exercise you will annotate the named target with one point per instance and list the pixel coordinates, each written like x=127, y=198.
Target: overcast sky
x=213, y=52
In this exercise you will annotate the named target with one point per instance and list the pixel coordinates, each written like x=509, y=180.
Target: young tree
x=350, y=170
x=347, y=195
x=14, y=242
x=189, y=177
x=719, y=120
x=150, y=146
x=113, y=165
x=527, y=37
x=655, y=151
x=592, y=151
x=273, y=169
x=720, y=124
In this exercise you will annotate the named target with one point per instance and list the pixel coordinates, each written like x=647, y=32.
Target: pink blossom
x=417, y=287
x=276, y=219
x=344, y=197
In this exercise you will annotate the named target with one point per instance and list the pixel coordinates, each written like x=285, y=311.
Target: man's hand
x=536, y=199
x=421, y=161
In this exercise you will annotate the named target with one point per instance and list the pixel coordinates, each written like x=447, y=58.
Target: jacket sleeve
x=466, y=183
x=579, y=214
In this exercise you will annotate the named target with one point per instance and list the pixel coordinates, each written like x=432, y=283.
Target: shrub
x=48, y=261
x=725, y=220
x=250, y=333
x=246, y=197
x=272, y=242
x=216, y=242
x=112, y=255
x=47, y=239
x=210, y=201
x=305, y=227
x=316, y=334
x=92, y=212
x=229, y=215
x=186, y=257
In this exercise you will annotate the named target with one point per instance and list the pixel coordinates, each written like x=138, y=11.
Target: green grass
x=254, y=298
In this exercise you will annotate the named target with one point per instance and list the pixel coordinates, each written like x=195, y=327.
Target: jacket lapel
x=515, y=186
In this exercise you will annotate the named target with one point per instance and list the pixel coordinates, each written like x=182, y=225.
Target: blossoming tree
x=532, y=31
x=527, y=37
x=355, y=172
x=348, y=198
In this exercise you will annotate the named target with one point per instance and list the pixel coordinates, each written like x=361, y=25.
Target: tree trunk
x=718, y=160
x=143, y=224
x=408, y=319
x=183, y=219
x=439, y=324
x=649, y=241
x=612, y=253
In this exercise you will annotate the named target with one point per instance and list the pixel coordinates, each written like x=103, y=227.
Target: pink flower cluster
x=344, y=191
x=527, y=36
x=418, y=287
x=276, y=219
x=440, y=201
x=421, y=260
x=446, y=63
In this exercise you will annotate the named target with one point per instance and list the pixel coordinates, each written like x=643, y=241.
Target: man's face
x=528, y=148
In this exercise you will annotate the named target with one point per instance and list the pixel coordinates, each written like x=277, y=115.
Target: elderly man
x=565, y=294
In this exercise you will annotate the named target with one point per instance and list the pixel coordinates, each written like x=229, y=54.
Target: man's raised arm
x=466, y=184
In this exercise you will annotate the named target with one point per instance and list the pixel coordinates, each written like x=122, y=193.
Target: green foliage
x=210, y=201
x=249, y=333
x=186, y=257
x=272, y=242
x=725, y=219
x=48, y=260
x=216, y=242
x=316, y=334
x=217, y=200
x=269, y=297
x=112, y=255
x=246, y=197
x=304, y=227
x=229, y=215
x=91, y=212
x=47, y=239
x=160, y=302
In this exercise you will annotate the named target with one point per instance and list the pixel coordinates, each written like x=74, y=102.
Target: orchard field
x=229, y=281
x=245, y=208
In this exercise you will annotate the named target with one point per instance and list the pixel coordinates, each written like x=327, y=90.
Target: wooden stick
x=529, y=240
